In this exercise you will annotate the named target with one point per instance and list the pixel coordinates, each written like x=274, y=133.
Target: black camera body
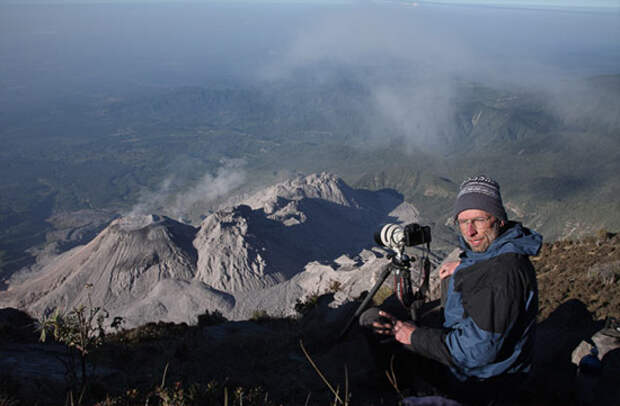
x=397, y=237
x=416, y=234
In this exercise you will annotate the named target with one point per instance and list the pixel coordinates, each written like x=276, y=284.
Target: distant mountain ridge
x=553, y=151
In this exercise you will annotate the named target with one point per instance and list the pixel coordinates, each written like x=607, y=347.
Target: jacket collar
x=515, y=239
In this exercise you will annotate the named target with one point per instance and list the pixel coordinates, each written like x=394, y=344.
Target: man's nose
x=471, y=229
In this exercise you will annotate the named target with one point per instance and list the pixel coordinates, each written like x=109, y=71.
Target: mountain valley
x=175, y=138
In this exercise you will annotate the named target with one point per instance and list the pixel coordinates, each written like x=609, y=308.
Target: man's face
x=479, y=228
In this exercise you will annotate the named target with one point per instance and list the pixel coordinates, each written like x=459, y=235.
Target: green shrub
x=383, y=293
x=303, y=307
x=211, y=318
x=81, y=330
x=260, y=315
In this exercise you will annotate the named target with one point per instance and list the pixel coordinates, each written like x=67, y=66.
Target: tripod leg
x=382, y=277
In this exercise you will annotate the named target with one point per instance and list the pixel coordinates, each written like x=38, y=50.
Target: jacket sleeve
x=429, y=342
x=464, y=347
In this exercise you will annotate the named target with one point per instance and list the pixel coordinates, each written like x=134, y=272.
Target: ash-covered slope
x=119, y=267
x=150, y=268
x=346, y=277
x=275, y=233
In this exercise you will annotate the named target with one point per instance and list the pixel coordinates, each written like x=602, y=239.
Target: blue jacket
x=490, y=311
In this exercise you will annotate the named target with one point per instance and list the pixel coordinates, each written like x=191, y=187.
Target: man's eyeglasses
x=479, y=223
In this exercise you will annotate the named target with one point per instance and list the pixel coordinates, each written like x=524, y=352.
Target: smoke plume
x=178, y=199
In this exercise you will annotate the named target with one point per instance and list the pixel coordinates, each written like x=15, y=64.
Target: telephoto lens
x=391, y=236
x=395, y=236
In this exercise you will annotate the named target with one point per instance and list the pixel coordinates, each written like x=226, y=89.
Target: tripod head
x=400, y=260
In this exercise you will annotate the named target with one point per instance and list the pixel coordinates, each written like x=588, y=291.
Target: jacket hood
x=515, y=239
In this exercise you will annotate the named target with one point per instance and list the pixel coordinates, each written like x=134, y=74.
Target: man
x=491, y=302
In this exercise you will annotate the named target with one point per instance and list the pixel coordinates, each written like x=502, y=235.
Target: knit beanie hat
x=482, y=193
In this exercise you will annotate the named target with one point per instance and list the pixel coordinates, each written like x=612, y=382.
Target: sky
x=52, y=52
x=596, y=4
x=535, y=3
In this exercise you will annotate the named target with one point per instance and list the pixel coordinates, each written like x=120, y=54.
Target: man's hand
x=447, y=269
x=399, y=329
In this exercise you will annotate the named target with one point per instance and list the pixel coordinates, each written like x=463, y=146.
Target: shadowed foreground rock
x=266, y=354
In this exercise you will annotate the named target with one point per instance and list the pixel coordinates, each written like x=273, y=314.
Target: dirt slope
x=587, y=270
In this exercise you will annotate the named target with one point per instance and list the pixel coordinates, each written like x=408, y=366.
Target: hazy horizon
x=63, y=51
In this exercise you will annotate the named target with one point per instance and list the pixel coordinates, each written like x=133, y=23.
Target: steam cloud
x=395, y=54
x=176, y=199
x=411, y=58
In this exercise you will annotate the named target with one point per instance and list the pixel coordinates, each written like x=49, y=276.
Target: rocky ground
x=268, y=361
x=587, y=270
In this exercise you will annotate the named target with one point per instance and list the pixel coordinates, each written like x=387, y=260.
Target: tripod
x=399, y=266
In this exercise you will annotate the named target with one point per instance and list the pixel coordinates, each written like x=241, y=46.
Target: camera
x=396, y=237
